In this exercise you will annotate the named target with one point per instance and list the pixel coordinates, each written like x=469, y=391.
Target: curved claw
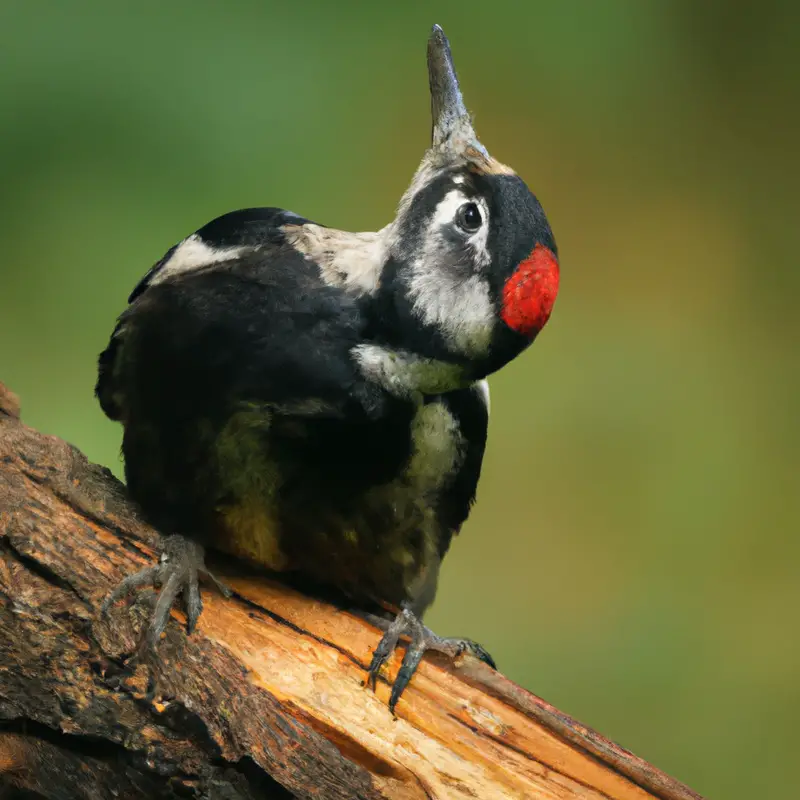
x=405, y=623
x=193, y=602
x=411, y=661
x=222, y=588
x=177, y=572
x=166, y=599
x=421, y=639
x=479, y=652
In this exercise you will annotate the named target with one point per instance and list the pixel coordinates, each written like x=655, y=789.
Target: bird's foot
x=421, y=639
x=179, y=567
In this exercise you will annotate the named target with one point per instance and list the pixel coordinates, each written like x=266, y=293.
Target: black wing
x=259, y=332
x=246, y=230
x=248, y=227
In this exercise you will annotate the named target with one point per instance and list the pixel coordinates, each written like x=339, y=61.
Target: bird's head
x=472, y=271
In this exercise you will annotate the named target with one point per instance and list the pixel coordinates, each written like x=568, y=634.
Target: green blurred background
x=634, y=554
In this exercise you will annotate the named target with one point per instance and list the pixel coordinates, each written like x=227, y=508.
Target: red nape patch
x=529, y=294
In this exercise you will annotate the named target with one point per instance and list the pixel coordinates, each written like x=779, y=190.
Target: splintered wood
x=265, y=699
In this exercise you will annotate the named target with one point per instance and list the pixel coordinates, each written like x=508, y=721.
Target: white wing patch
x=194, y=253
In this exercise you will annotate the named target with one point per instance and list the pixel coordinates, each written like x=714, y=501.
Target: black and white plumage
x=313, y=400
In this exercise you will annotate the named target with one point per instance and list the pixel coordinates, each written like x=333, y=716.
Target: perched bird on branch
x=314, y=400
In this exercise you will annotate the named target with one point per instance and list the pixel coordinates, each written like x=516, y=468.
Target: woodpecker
x=314, y=401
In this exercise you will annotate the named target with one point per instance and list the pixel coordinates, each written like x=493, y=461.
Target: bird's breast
x=312, y=508
x=250, y=479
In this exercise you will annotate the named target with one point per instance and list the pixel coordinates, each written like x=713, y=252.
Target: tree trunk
x=264, y=700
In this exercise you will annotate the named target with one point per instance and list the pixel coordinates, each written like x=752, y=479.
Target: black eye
x=468, y=217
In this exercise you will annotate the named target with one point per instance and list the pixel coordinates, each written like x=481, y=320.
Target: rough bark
x=265, y=699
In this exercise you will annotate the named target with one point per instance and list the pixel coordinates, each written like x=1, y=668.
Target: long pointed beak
x=451, y=119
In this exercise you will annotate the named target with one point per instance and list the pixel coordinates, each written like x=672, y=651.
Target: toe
x=382, y=652
x=127, y=585
x=421, y=640
x=194, y=603
x=402, y=624
x=411, y=661
x=222, y=587
x=480, y=653
x=457, y=647
x=166, y=600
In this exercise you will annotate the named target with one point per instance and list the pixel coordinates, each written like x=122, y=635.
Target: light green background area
x=634, y=556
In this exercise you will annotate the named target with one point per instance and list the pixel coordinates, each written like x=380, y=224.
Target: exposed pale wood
x=265, y=699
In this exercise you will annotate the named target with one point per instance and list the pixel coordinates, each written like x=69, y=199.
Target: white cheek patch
x=463, y=311
x=193, y=253
x=461, y=308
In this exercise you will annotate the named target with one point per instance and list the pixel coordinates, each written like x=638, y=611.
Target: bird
x=314, y=401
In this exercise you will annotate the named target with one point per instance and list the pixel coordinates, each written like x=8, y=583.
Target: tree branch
x=265, y=699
